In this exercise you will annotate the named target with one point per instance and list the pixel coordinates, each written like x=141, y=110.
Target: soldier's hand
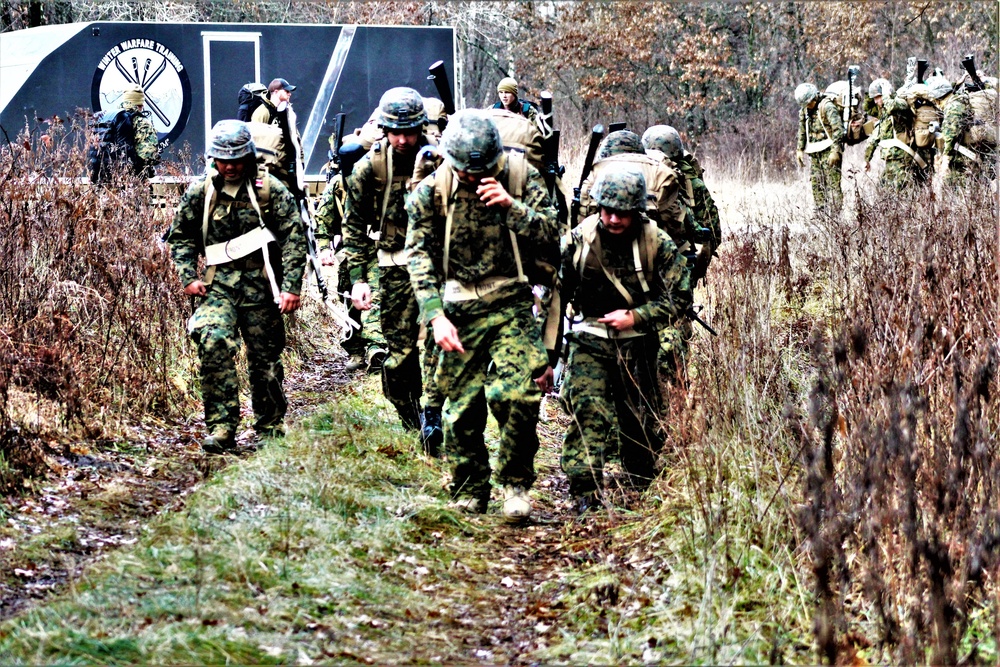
x=361, y=296
x=546, y=381
x=196, y=288
x=446, y=335
x=326, y=257
x=833, y=159
x=288, y=302
x=619, y=320
x=801, y=157
x=493, y=194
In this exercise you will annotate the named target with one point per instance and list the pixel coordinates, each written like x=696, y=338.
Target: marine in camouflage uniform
x=145, y=142
x=376, y=193
x=465, y=277
x=894, y=138
x=611, y=369
x=239, y=296
x=821, y=135
x=664, y=142
x=958, y=161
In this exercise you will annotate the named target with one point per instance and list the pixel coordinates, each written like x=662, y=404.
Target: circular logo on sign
x=162, y=76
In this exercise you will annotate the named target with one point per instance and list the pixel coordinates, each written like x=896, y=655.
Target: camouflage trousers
x=898, y=174
x=609, y=382
x=506, y=334
x=369, y=336
x=826, y=180
x=216, y=328
x=408, y=370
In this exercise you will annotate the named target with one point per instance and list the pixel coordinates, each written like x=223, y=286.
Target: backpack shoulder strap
x=517, y=174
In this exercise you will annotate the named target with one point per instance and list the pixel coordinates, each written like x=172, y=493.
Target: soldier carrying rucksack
x=126, y=141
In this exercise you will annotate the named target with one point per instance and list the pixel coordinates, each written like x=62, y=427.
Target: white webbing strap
x=967, y=152
x=387, y=189
x=241, y=246
x=268, y=270
x=600, y=329
x=896, y=143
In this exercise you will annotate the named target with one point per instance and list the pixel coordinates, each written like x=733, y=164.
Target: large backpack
x=519, y=134
x=983, y=129
x=250, y=97
x=115, y=146
x=272, y=153
x=590, y=255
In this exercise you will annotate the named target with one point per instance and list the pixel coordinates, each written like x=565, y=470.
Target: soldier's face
x=469, y=179
x=403, y=141
x=507, y=98
x=878, y=101
x=615, y=221
x=230, y=170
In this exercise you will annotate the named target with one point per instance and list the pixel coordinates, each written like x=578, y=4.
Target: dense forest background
x=703, y=67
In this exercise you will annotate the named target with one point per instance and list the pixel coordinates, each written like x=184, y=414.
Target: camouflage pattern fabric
x=706, y=213
x=957, y=118
x=896, y=122
x=146, y=143
x=401, y=376
x=330, y=212
x=824, y=121
x=498, y=326
x=608, y=378
x=610, y=383
x=239, y=300
x=505, y=333
x=399, y=313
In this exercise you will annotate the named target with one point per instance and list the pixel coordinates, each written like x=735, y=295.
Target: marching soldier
x=247, y=226
x=821, y=136
x=465, y=235
x=611, y=371
x=375, y=230
x=904, y=166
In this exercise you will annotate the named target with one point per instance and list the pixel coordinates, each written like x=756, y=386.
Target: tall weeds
x=91, y=316
x=901, y=484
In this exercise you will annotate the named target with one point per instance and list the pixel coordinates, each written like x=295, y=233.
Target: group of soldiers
x=466, y=250
x=926, y=126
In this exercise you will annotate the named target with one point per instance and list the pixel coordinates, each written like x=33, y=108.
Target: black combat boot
x=431, y=433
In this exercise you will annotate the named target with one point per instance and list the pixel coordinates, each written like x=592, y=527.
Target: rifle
x=692, y=315
x=596, y=135
x=969, y=65
x=852, y=75
x=336, y=139
x=616, y=127
x=439, y=76
x=550, y=152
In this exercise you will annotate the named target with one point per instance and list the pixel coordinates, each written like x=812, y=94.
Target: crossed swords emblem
x=145, y=79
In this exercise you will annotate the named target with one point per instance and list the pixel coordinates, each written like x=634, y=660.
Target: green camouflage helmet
x=621, y=189
x=938, y=86
x=805, y=93
x=617, y=143
x=665, y=139
x=879, y=87
x=401, y=109
x=471, y=142
x=230, y=140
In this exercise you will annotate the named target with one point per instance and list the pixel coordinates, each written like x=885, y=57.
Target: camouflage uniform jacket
x=593, y=295
x=232, y=217
x=330, y=212
x=957, y=119
x=706, y=213
x=895, y=122
x=822, y=122
x=146, y=143
x=363, y=205
x=480, y=244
